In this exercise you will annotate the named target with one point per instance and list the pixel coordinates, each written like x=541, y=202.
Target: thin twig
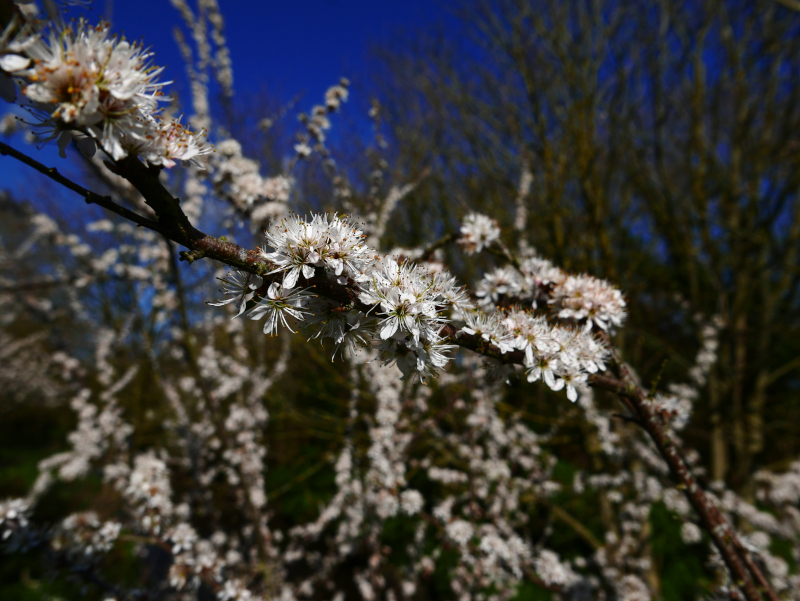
x=434, y=246
x=89, y=196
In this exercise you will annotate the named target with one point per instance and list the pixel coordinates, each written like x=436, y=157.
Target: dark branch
x=89, y=196
x=436, y=245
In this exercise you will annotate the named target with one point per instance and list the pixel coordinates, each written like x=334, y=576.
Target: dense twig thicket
x=535, y=432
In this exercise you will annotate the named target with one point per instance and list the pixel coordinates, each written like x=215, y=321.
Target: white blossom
x=80, y=77
x=477, y=232
x=411, y=501
x=460, y=531
x=280, y=303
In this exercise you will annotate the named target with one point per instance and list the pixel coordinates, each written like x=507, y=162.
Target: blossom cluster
x=81, y=81
x=237, y=180
x=676, y=404
x=14, y=514
x=560, y=356
x=84, y=535
x=317, y=123
x=406, y=303
x=403, y=306
x=582, y=297
x=477, y=232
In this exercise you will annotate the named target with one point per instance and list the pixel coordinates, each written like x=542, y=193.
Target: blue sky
x=286, y=46
x=290, y=46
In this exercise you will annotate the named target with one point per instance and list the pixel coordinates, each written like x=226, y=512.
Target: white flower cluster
x=97, y=429
x=336, y=95
x=317, y=123
x=460, y=532
x=247, y=455
x=14, y=515
x=581, y=298
x=552, y=570
x=238, y=287
x=149, y=491
x=183, y=537
x=477, y=232
x=781, y=489
x=499, y=550
x=561, y=356
x=80, y=78
x=691, y=533
x=411, y=304
x=407, y=303
x=235, y=590
x=237, y=180
x=488, y=474
x=300, y=246
x=486, y=467
x=83, y=534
